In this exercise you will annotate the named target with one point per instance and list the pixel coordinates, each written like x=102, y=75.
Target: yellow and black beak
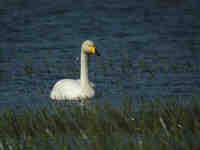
x=93, y=50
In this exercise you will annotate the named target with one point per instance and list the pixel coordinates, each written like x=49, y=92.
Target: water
x=40, y=44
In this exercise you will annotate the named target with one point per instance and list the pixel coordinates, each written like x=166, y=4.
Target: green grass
x=154, y=126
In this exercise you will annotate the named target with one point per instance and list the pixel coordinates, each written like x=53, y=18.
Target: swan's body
x=69, y=89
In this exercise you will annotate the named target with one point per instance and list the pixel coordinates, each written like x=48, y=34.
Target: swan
x=71, y=89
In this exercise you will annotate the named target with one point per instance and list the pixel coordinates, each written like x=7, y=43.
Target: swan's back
x=71, y=90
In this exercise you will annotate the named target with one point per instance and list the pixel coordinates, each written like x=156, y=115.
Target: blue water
x=40, y=44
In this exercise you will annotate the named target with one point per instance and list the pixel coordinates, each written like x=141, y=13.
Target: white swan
x=69, y=89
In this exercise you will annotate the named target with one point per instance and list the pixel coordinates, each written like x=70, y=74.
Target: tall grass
x=154, y=126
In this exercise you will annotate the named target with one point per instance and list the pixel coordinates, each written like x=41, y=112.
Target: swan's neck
x=84, y=69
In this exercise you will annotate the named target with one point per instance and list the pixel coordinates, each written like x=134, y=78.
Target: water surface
x=149, y=49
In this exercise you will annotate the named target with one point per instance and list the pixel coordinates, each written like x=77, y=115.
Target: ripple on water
x=41, y=41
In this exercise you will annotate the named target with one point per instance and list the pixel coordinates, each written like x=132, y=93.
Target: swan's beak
x=93, y=50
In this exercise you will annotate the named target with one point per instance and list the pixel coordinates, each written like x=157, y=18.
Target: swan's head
x=89, y=48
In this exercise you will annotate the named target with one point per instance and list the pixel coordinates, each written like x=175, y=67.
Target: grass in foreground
x=158, y=127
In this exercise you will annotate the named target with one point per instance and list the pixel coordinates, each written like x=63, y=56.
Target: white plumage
x=69, y=89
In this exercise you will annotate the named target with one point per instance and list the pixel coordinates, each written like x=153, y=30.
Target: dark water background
x=40, y=44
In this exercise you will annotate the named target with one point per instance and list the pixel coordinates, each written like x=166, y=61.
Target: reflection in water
x=69, y=105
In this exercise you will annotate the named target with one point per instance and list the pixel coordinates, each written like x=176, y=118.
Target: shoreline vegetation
x=154, y=126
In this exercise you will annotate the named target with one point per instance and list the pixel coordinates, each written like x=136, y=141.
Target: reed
x=153, y=126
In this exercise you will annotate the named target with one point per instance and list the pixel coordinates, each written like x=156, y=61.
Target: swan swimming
x=70, y=89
